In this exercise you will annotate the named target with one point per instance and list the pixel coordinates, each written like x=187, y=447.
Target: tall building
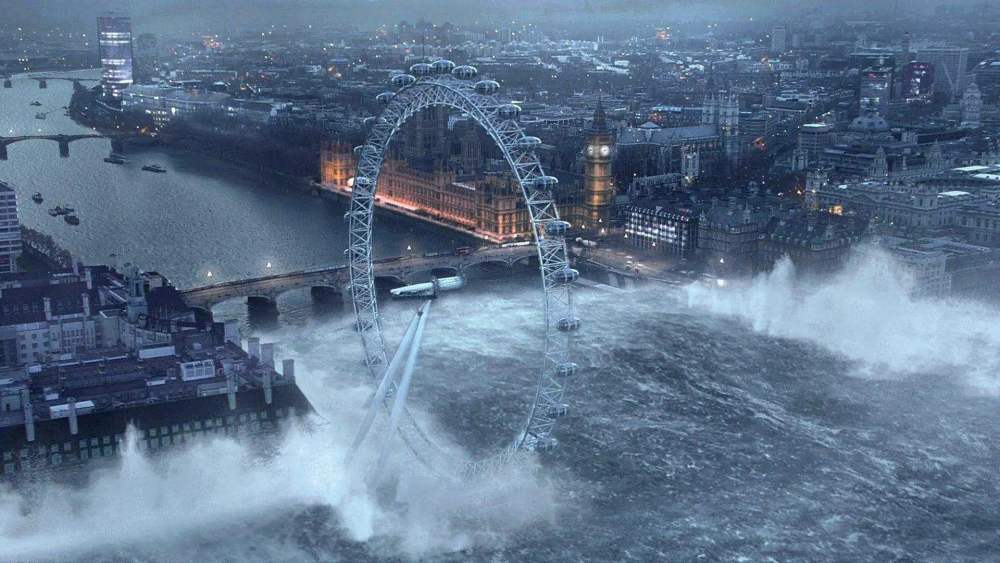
x=336, y=164
x=918, y=80
x=598, y=184
x=114, y=40
x=950, y=65
x=814, y=137
x=779, y=37
x=875, y=89
x=723, y=112
x=972, y=107
x=10, y=230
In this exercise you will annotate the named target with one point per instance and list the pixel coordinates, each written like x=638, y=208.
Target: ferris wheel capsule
x=527, y=143
x=557, y=411
x=566, y=369
x=465, y=72
x=363, y=182
x=403, y=80
x=421, y=69
x=443, y=66
x=384, y=97
x=565, y=275
x=556, y=228
x=509, y=111
x=547, y=443
x=487, y=87
x=568, y=324
x=543, y=182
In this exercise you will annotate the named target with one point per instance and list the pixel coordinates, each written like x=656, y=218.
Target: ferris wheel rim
x=499, y=120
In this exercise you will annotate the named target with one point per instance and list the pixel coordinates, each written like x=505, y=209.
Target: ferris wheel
x=443, y=84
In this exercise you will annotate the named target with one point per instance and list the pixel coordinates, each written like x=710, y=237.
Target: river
x=203, y=221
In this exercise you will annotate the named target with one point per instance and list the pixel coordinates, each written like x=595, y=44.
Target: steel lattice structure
x=444, y=84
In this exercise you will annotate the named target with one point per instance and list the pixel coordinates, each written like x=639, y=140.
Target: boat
x=59, y=210
x=39, y=115
x=67, y=209
x=37, y=197
x=115, y=158
x=71, y=219
x=154, y=168
x=36, y=103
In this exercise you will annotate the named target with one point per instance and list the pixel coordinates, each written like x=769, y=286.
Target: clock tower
x=598, y=184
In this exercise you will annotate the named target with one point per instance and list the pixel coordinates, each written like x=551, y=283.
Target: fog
x=217, y=496
x=183, y=16
x=866, y=313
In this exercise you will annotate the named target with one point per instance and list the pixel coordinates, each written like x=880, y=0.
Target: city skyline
x=540, y=281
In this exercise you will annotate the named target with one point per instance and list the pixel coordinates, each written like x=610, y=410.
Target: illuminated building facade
x=598, y=183
x=336, y=164
x=918, y=80
x=489, y=205
x=875, y=89
x=950, y=66
x=114, y=39
x=668, y=227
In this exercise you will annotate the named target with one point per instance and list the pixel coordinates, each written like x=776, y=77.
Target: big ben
x=598, y=184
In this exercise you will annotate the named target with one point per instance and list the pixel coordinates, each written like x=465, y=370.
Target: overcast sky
x=161, y=16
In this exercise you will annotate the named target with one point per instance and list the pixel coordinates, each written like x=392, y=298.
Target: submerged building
x=89, y=352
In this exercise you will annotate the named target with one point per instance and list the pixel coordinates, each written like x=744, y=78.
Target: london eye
x=443, y=84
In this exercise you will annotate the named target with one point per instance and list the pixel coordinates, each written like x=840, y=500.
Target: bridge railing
x=407, y=260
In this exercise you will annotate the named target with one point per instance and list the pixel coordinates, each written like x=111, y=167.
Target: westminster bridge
x=335, y=280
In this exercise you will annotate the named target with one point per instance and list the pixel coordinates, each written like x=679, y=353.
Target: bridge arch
x=437, y=87
x=63, y=141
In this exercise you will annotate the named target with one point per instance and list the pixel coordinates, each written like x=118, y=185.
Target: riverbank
x=331, y=192
x=40, y=251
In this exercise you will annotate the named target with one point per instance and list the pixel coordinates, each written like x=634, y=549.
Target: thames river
x=203, y=216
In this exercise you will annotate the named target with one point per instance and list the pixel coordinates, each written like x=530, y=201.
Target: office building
x=950, y=64
x=875, y=89
x=114, y=39
x=10, y=230
x=918, y=80
x=779, y=37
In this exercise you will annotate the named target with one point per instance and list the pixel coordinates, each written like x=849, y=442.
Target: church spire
x=600, y=123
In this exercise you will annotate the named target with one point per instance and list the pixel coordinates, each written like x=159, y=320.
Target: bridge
x=43, y=81
x=336, y=279
x=117, y=141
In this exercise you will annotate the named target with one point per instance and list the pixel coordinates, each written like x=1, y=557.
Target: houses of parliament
x=446, y=168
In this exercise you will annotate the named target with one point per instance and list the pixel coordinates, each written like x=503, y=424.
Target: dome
x=869, y=123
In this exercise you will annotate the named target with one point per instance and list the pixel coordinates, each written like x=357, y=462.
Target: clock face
x=605, y=150
x=590, y=150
